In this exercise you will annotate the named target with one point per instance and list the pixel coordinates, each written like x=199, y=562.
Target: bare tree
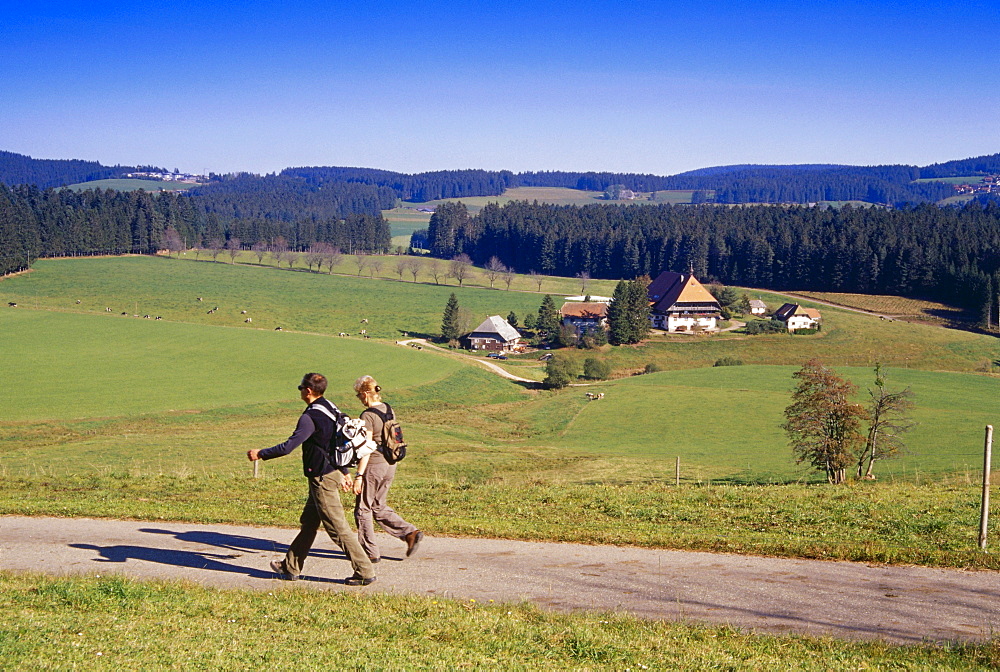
x=414, y=267
x=401, y=264
x=215, y=247
x=315, y=255
x=278, y=249
x=375, y=265
x=460, y=268
x=537, y=277
x=494, y=268
x=435, y=270
x=233, y=247
x=508, y=276
x=584, y=281
x=172, y=240
x=260, y=249
x=361, y=259
x=887, y=419
x=332, y=257
x=291, y=257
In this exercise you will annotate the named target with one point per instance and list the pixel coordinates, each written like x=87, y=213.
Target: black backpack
x=391, y=442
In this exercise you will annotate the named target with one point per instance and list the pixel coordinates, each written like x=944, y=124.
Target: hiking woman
x=374, y=479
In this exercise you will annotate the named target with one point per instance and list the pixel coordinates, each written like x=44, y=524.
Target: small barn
x=758, y=307
x=495, y=333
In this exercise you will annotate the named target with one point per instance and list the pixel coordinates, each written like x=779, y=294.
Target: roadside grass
x=104, y=622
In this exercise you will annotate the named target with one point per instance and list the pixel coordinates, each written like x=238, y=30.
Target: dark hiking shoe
x=412, y=541
x=278, y=567
x=358, y=581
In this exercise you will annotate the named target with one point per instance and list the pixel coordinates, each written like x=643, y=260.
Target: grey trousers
x=371, y=503
x=325, y=508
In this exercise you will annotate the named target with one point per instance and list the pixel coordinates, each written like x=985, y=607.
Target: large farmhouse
x=584, y=316
x=796, y=317
x=678, y=302
x=495, y=333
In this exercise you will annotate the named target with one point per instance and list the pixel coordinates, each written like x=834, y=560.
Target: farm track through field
x=905, y=605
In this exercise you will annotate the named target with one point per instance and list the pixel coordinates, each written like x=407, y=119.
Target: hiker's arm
x=303, y=430
x=358, y=482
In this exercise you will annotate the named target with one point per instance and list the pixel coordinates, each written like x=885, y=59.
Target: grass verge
x=106, y=622
x=934, y=525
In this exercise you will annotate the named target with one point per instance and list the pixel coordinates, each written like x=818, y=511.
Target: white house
x=680, y=303
x=758, y=307
x=796, y=317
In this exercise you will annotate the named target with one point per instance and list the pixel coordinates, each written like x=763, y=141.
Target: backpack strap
x=383, y=415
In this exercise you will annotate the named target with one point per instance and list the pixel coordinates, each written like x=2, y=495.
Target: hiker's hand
x=252, y=455
x=347, y=483
x=358, y=485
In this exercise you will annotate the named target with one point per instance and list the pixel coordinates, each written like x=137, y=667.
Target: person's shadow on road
x=204, y=560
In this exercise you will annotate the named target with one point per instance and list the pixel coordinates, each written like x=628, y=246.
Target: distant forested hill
x=21, y=169
x=337, y=191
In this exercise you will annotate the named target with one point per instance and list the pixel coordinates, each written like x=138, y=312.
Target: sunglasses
x=303, y=387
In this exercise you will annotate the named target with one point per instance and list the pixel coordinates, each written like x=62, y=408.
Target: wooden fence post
x=256, y=468
x=677, y=471
x=984, y=516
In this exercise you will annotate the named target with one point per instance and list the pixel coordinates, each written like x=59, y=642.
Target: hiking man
x=313, y=432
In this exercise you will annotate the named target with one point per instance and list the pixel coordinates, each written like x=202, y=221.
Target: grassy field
x=106, y=622
x=127, y=184
x=115, y=416
x=111, y=406
x=898, y=307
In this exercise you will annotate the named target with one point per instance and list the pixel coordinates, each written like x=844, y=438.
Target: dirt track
x=842, y=599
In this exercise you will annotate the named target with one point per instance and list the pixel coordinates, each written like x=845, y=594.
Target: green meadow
x=111, y=415
x=129, y=184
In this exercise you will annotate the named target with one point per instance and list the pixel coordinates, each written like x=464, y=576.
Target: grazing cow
x=12, y=304
x=199, y=298
x=145, y=317
x=210, y=312
x=158, y=317
x=107, y=310
x=248, y=320
x=124, y=313
x=343, y=334
x=591, y=395
x=277, y=328
x=364, y=321
x=243, y=312
x=78, y=302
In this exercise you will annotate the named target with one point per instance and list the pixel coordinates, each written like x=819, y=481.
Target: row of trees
x=948, y=254
x=36, y=223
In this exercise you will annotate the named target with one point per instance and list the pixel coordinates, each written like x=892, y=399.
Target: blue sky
x=645, y=87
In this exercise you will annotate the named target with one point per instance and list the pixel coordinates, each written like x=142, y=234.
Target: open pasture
x=725, y=422
x=291, y=299
x=128, y=184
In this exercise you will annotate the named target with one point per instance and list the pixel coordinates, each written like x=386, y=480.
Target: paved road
x=847, y=600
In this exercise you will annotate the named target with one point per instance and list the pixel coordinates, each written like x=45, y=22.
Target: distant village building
x=796, y=317
x=584, y=316
x=758, y=307
x=495, y=333
x=678, y=302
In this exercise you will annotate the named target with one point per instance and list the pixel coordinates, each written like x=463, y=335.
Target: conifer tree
x=449, y=322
